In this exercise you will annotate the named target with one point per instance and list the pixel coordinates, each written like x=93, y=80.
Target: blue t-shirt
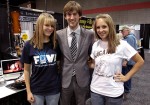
x=44, y=78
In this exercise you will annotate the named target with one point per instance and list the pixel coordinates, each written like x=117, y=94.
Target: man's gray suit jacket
x=80, y=63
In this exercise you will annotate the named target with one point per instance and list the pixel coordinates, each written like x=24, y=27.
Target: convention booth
x=17, y=26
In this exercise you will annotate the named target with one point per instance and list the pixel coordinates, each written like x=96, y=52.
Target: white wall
x=138, y=16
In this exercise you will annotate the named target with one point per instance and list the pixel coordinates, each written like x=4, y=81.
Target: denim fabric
x=97, y=99
x=50, y=99
x=127, y=84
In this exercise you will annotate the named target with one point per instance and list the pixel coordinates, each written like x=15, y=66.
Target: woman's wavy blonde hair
x=113, y=42
x=38, y=37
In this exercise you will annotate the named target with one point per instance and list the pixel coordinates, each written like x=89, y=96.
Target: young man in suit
x=75, y=44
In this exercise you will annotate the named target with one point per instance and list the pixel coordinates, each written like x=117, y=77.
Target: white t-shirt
x=106, y=65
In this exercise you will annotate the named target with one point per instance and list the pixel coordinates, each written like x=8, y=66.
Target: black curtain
x=117, y=28
x=59, y=18
x=4, y=31
x=145, y=34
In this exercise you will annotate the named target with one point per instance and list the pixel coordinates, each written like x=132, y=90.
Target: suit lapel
x=81, y=42
x=66, y=44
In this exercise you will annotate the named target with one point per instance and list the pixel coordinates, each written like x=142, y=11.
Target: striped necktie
x=73, y=47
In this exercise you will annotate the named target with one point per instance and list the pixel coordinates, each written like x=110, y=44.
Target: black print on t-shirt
x=100, y=53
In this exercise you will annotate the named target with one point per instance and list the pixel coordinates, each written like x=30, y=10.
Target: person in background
x=119, y=36
x=107, y=54
x=41, y=53
x=127, y=65
x=75, y=44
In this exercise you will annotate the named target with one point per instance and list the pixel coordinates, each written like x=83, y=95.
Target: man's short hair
x=71, y=6
x=125, y=28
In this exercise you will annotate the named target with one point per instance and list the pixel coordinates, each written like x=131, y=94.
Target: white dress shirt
x=69, y=36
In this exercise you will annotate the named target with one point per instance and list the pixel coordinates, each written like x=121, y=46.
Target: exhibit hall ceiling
x=15, y=2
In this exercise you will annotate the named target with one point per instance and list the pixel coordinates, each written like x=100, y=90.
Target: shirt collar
x=77, y=31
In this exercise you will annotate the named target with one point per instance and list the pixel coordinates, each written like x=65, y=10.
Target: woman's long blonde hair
x=113, y=42
x=38, y=37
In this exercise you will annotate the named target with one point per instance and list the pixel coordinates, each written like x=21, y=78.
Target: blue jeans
x=97, y=99
x=127, y=84
x=50, y=99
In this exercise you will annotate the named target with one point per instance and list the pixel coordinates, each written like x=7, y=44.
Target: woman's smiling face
x=102, y=29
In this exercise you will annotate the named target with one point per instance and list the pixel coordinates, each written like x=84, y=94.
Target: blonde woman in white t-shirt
x=108, y=53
